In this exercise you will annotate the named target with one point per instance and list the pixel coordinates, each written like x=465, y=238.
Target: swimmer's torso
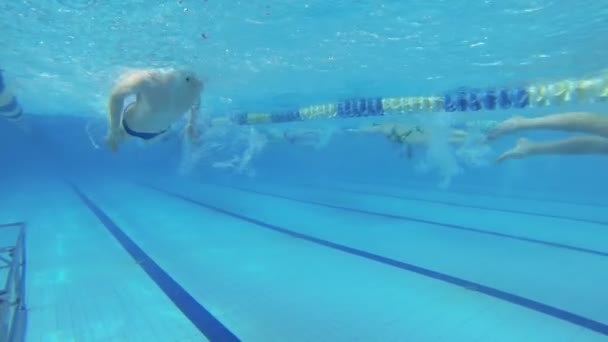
x=161, y=99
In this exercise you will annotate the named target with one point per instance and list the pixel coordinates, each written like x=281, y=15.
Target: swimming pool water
x=351, y=240
x=278, y=54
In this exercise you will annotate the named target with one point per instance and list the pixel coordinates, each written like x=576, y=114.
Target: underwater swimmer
x=408, y=134
x=405, y=133
x=10, y=110
x=294, y=136
x=162, y=96
x=595, y=142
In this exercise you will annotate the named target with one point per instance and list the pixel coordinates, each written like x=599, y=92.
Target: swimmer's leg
x=272, y=135
x=590, y=123
x=458, y=137
x=302, y=137
x=192, y=129
x=383, y=128
x=570, y=146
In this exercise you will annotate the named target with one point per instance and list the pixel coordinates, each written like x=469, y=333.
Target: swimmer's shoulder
x=137, y=80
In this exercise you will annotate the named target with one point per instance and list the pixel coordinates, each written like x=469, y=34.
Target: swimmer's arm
x=117, y=99
x=114, y=109
x=194, y=112
x=366, y=129
x=191, y=128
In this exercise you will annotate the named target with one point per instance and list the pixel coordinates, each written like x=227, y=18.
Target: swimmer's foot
x=521, y=149
x=508, y=126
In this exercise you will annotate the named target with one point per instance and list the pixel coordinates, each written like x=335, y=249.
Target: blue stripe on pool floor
x=462, y=205
x=204, y=321
x=14, y=224
x=433, y=223
x=493, y=193
x=506, y=296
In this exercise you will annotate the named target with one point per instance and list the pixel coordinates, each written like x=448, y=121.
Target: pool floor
x=181, y=260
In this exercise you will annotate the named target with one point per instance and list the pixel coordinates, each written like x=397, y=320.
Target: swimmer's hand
x=113, y=140
x=193, y=134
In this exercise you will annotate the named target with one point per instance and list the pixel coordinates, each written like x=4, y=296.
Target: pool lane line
x=204, y=321
x=429, y=222
x=12, y=224
x=479, y=207
x=546, y=309
x=462, y=205
x=476, y=192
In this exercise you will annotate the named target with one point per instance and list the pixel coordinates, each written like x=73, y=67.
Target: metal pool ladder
x=13, y=312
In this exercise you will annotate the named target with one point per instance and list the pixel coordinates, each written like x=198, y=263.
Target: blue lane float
x=461, y=100
x=489, y=99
